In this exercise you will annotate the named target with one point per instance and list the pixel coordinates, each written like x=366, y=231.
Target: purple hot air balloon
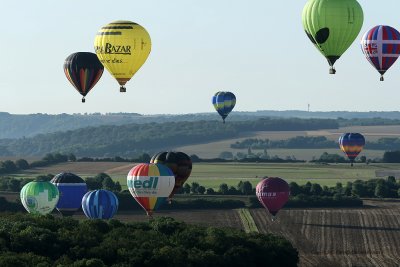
x=273, y=193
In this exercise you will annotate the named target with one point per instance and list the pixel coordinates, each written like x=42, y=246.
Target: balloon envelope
x=332, y=26
x=273, y=193
x=39, y=197
x=72, y=188
x=381, y=47
x=224, y=102
x=83, y=70
x=122, y=47
x=150, y=184
x=351, y=144
x=100, y=204
x=180, y=164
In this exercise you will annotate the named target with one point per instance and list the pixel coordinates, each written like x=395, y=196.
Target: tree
x=201, y=189
x=381, y=190
x=210, y=191
x=223, y=189
x=108, y=183
x=22, y=164
x=71, y=157
x=195, y=158
x=391, y=179
x=144, y=158
x=186, y=188
x=14, y=185
x=316, y=189
x=9, y=166
x=363, y=159
x=359, y=189
x=117, y=187
x=49, y=157
x=294, y=189
x=226, y=155
x=247, y=188
x=194, y=188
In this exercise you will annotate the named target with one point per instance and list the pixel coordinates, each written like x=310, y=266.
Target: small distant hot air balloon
x=224, y=102
x=332, y=26
x=273, y=193
x=381, y=47
x=351, y=144
x=39, y=197
x=72, y=188
x=100, y=204
x=150, y=184
x=179, y=163
x=83, y=70
x=122, y=47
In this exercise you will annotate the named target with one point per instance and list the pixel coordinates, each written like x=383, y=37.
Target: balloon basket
x=273, y=218
x=381, y=79
x=332, y=71
x=122, y=89
x=83, y=100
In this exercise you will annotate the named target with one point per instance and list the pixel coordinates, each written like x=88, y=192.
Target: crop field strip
x=247, y=221
x=339, y=237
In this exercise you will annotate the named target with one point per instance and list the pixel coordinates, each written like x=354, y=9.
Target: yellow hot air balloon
x=122, y=47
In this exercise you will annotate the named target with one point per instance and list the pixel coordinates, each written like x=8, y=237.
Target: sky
x=256, y=49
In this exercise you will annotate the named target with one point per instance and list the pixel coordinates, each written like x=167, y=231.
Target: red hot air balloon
x=273, y=193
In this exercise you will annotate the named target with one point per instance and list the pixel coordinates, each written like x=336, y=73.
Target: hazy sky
x=256, y=49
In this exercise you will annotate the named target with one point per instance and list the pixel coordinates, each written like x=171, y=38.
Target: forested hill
x=132, y=139
x=16, y=126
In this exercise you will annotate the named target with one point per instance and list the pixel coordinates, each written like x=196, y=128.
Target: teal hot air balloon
x=39, y=197
x=224, y=102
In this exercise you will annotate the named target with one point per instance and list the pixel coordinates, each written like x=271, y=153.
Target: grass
x=211, y=175
x=247, y=220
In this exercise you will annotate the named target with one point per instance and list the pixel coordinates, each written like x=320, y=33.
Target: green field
x=213, y=174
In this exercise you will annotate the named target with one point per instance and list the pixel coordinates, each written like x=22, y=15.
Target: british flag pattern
x=381, y=47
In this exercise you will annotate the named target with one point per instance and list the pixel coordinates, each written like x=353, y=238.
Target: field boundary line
x=248, y=222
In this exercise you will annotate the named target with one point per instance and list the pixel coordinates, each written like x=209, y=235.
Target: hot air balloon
x=273, y=193
x=100, y=204
x=381, y=47
x=223, y=103
x=351, y=144
x=179, y=163
x=122, y=47
x=39, y=197
x=83, y=70
x=72, y=188
x=150, y=184
x=332, y=26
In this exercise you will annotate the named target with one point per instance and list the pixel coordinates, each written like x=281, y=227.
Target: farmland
x=371, y=133
x=213, y=174
x=368, y=236
x=340, y=237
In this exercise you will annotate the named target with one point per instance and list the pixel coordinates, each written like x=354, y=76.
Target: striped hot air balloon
x=351, y=144
x=72, y=189
x=224, y=102
x=83, y=70
x=150, y=185
x=381, y=47
x=100, y=204
x=39, y=197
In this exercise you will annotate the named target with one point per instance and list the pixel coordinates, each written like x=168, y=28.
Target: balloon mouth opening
x=122, y=89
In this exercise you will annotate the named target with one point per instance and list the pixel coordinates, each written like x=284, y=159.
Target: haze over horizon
x=257, y=51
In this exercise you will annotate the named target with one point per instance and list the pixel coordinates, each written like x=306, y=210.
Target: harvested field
x=340, y=237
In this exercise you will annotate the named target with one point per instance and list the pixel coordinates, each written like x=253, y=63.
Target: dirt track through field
x=340, y=237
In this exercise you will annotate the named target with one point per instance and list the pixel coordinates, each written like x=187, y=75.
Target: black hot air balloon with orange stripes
x=83, y=70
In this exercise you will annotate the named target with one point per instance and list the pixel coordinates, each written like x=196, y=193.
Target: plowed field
x=340, y=237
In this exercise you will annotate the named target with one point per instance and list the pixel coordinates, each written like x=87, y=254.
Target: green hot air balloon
x=39, y=197
x=332, y=26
